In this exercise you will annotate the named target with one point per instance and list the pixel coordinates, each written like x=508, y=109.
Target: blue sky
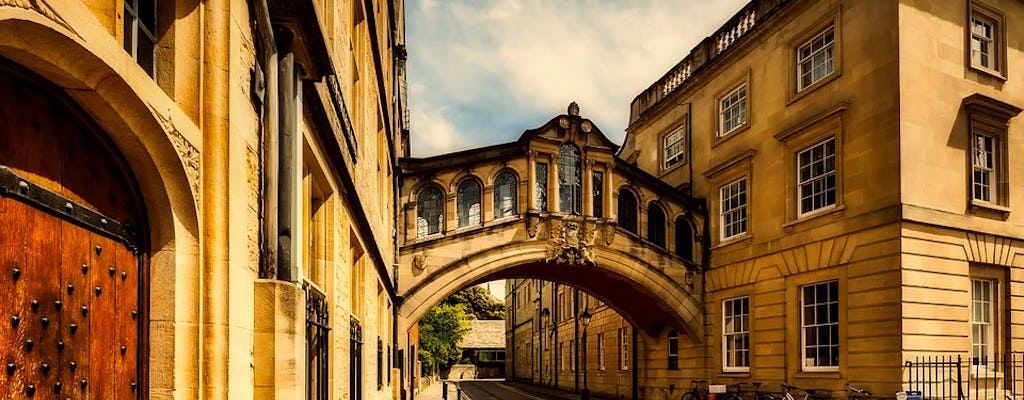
x=483, y=71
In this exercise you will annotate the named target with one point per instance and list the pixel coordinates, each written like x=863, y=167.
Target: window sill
x=731, y=134
x=984, y=206
x=823, y=374
x=736, y=373
x=671, y=168
x=800, y=93
x=988, y=72
x=788, y=226
x=743, y=237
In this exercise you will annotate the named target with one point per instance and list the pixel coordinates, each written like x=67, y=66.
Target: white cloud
x=504, y=66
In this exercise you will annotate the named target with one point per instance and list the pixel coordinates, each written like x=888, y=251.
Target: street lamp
x=585, y=317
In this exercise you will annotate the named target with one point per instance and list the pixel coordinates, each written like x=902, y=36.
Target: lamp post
x=585, y=320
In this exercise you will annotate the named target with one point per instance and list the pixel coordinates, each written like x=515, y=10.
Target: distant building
x=484, y=347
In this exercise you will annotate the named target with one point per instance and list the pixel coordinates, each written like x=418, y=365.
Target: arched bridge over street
x=557, y=205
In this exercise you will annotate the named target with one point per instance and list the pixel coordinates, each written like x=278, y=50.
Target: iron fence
x=946, y=377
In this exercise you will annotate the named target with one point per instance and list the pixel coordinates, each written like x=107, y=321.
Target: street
x=494, y=390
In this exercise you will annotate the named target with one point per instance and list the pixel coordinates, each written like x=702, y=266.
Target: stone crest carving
x=608, y=233
x=419, y=262
x=570, y=242
x=532, y=225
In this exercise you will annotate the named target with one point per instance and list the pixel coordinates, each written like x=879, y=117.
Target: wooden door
x=72, y=274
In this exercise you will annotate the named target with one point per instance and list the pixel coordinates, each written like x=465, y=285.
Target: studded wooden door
x=72, y=276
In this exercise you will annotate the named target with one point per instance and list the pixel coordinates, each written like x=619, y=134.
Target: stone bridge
x=558, y=205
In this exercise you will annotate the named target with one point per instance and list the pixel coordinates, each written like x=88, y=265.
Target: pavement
x=496, y=389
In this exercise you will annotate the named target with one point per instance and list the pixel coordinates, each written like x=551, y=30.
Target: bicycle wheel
x=690, y=396
x=731, y=396
x=766, y=396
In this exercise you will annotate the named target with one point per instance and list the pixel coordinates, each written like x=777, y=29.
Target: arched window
x=570, y=180
x=505, y=195
x=656, y=225
x=468, y=202
x=627, y=210
x=429, y=212
x=684, y=239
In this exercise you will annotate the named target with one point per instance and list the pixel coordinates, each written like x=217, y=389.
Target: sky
x=483, y=71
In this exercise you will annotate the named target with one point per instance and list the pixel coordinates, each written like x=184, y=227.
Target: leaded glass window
x=656, y=225
x=570, y=180
x=541, y=187
x=429, y=212
x=627, y=210
x=505, y=195
x=468, y=202
x=598, y=188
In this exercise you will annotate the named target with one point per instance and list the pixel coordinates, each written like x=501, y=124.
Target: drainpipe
x=269, y=142
x=287, y=97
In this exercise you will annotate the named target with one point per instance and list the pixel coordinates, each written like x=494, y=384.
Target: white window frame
x=734, y=103
x=800, y=183
x=985, y=161
x=833, y=320
x=983, y=320
x=673, y=147
x=600, y=351
x=995, y=38
x=733, y=205
x=731, y=335
x=673, y=354
x=821, y=44
x=624, y=349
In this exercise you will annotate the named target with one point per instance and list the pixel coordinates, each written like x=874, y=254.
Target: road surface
x=494, y=390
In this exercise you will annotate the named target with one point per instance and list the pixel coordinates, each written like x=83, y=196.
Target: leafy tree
x=441, y=329
x=479, y=303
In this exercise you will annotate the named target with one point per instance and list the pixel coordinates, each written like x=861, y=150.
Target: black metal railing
x=963, y=378
x=317, y=345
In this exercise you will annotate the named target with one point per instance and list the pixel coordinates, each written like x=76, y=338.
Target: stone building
x=857, y=161
x=214, y=182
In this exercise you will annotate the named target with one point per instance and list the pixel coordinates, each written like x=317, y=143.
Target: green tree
x=441, y=329
x=479, y=303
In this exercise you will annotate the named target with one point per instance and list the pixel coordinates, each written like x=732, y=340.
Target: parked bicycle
x=698, y=390
x=853, y=393
x=740, y=391
x=809, y=394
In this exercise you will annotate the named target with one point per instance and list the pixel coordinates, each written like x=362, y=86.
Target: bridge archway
x=649, y=297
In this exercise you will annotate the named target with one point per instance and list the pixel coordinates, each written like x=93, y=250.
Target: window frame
x=742, y=103
x=570, y=188
x=419, y=212
x=600, y=351
x=634, y=211
x=681, y=239
x=673, y=350
x=801, y=61
x=800, y=183
x=670, y=161
x=728, y=336
x=513, y=185
x=742, y=209
x=624, y=349
x=802, y=356
x=990, y=167
x=986, y=13
x=831, y=18
x=989, y=117
x=133, y=22
x=991, y=326
x=803, y=135
x=652, y=233
x=459, y=200
x=540, y=186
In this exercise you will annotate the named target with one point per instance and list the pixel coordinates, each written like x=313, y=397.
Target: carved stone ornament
x=41, y=7
x=608, y=233
x=532, y=225
x=570, y=242
x=419, y=262
x=187, y=152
